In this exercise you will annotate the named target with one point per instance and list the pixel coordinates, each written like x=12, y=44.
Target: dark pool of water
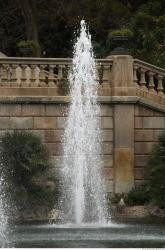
x=121, y=234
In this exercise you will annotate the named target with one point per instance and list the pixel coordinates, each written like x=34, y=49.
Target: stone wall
x=148, y=125
x=132, y=97
x=48, y=122
x=128, y=132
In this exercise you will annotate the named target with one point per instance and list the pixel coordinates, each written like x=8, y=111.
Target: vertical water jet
x=83, y=192
x=3, y=215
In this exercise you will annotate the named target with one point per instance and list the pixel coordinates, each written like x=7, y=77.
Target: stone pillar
x=123, y=85
x=124, y=147
x=122, y=75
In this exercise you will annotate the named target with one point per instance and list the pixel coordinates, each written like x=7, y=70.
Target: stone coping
x=67, y=99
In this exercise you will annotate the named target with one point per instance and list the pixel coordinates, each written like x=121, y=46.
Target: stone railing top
x=150, y=67
x=35, y=60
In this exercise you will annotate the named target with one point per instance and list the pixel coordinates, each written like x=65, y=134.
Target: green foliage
x=120, y=32
x=141, y=20
x=139, y=195
x=157, y=169
x=115, y=199
x=25, y=162
x=32, y=45
x=148, y=28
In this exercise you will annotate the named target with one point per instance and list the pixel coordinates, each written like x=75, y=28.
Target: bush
x=34, y=48
x=139, y=195
x=25, y=161
x=157, y=170
x=120, y=32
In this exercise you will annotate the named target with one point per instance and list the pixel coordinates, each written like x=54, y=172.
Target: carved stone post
x=123, y=85
x=160, y=84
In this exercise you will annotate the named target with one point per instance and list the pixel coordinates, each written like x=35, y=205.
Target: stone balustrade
x=118, y=75
x=43, y=72
x=149, y=77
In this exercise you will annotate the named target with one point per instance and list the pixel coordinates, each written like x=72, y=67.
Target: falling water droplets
x=83, y=192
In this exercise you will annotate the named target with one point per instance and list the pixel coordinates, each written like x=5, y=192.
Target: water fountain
x=83, y=194
x=83, y=202
x=3, y=215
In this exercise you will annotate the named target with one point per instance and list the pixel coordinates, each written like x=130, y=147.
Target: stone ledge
x=66, y=99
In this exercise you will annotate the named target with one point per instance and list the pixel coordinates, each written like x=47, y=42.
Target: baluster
x=51, y=76
x=60, y=71
x=33, y=76
x=24, y=76
x=28, y=75
x=160, y=85
x=151, y=84
x=37, y=72
x=105, y=78
x=65, y=71
x=13, y=73
x=1, y=74
x=19, y=73
x=42, y=75
x=5, y=81
x=142, y=78
x=135, y=79
x=100, y=73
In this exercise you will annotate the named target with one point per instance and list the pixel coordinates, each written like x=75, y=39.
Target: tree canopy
x=53, y=24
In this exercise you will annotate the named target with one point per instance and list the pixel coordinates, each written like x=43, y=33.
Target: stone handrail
x=42, y=72
x=149, y=77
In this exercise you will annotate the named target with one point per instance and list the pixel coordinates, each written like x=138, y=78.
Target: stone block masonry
x=128, y=132
x=148, y=125
x=48, y=121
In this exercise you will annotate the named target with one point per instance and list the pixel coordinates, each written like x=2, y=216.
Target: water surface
x=121, y=234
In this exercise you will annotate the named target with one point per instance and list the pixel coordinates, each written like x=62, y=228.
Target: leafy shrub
x=139, y=195
x=157, y=170
x=120, y=32
x=35, y=49
x=25, y=161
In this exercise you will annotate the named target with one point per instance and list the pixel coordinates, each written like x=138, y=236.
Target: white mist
x=83, y=191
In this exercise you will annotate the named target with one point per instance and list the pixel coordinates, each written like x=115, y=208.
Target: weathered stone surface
x=124, y=173
x=138, y=122
x=109, y=186
x=142, y=111
x=106, y=122
x=138, y=173
x=33, y=109
x=10, y=109
x=106, y=110
x=107, y=160
x=5, y=123
x=124, y=126
x=21, y=122
x=57, y=109
x=61, y=122
x=108, y=173
x=106, y=148
x=53, y=135
x=55, y=148
x=106, y=135
x=143, y=147
x=154, y=122
x=45, y=122
x=122, y=71
x=141, y=160
x=144, y=135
